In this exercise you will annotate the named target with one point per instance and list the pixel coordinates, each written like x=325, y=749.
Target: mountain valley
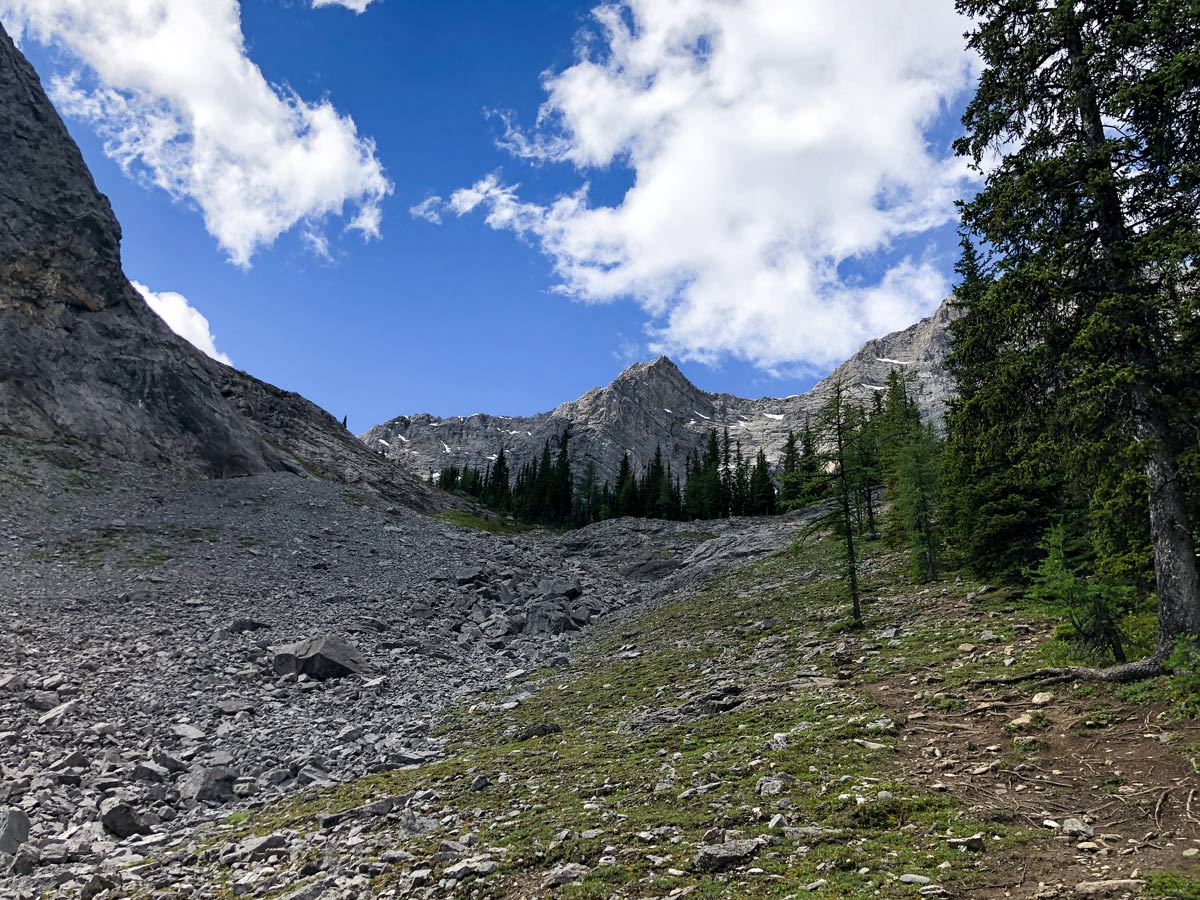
x=245, y=654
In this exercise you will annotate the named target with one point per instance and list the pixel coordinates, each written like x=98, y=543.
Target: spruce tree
x=499, y=489
x=813, y=484
x=626, y=497
x=1091, y=217
x=762, y=488
x=789, y=486
x=589, y=498
x=1000, y=490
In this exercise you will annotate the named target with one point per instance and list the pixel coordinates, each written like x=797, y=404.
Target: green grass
x=131, y=547
x=485, y=522
x=1177, y=887
x=698, y=536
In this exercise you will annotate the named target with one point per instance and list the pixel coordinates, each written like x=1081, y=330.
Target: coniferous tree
x=914, y=500
x=866, y=467
x=910, y=463
x=762, y=488
x=789, y=482
x=739, y=488
x=1000, y=492
x=836, y=425
x=1092, y=222
x=813, y=484
x=1093, y=607
x=561, y=484
x=589, y=498
x=726, y=478
x=627, y=496
x=499, y=488
x=652, y=492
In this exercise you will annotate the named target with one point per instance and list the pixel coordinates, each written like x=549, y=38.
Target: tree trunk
x=1175, y=570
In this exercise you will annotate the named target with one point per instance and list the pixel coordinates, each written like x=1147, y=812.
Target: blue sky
x=463, y=316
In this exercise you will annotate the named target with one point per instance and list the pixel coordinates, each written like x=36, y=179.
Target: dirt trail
x=1027, y=755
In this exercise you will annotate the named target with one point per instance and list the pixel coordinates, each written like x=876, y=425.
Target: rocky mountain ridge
x=85, y=360
x=653, y=404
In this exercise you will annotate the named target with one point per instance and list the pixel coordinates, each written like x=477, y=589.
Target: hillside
x=722, y=735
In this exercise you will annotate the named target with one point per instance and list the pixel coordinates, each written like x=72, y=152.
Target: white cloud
x=183, y=319
x=429, y=209
x=358, y=6
x=170, y=88
x=771, y=142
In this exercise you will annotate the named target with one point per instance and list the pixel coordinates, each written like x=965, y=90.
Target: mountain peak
x=662, y=367
x=652, y=405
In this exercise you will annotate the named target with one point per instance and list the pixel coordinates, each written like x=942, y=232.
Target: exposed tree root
x=1123, y=674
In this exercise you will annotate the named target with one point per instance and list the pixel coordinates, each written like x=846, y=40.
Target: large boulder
x=14, y=830
x=120, y=819
x=715, y=857
x=547, y=617
x=322, y=657
x=212, y=785
x=559, y=586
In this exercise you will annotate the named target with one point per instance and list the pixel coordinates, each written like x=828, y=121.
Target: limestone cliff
x=84, y=359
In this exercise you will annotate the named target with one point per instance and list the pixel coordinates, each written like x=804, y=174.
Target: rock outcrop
x=653, y=404
x=83, y=359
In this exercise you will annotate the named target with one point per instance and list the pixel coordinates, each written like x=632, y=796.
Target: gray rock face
x=83, y=357
x=652, y=404
x=323, y=657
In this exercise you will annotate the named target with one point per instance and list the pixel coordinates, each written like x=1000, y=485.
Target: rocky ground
x=633, y=710
x=145, y=681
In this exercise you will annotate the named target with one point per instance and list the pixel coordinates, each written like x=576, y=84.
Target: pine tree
x=866, y=468
x=1094, y=232
x=813, y=484
x=914, y=491
x=1093, y=607
x=588, y=499
x=762, y=488
x=499, y=496
x=559, y=504
x=652, y=491
x=789, y=482
x=835, y=422
x=803, y=482
x=627, y=496
x=739, y=487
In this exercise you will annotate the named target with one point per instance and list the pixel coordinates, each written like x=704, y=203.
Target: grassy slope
x=646, y=764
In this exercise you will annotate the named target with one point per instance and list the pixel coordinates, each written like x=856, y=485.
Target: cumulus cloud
x=172, y=91
x=772, y=142
x=183, y=319
x=358, y=6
